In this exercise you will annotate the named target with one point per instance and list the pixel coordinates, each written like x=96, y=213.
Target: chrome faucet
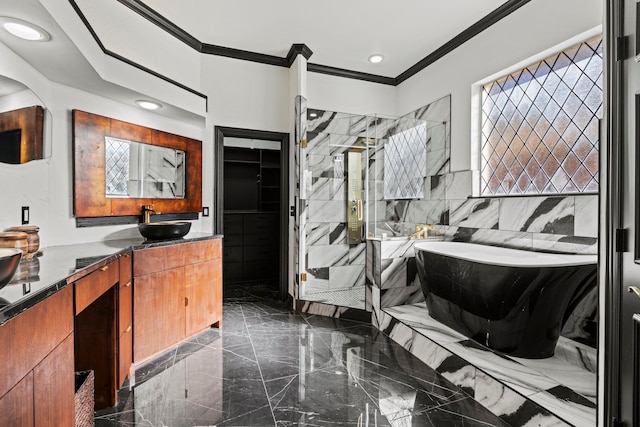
x=147, y=210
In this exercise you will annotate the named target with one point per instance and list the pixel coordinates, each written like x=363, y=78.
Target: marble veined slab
x=563, y=386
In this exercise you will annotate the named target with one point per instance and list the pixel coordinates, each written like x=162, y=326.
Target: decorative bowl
x=9, y=261
x=164, y=230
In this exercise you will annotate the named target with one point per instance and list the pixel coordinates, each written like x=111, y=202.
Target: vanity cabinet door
x=203, y=280
x=18, y=403
x=204, y=296
x=158, y=312
x=36, y=349
x=54, y=387
x=177, y=293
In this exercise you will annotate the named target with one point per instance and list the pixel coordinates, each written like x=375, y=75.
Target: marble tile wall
x=567, y=223
x=402, y=215
x=331, y=264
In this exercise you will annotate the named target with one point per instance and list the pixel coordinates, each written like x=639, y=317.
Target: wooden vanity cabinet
x=177, y=293
x=125, y=318
x=36, y=348
x=95, y=332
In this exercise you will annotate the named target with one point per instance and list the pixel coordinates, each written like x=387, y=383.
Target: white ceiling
x=341, y=34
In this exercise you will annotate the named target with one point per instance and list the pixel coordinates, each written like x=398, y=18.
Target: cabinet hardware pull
x=128, y=329
x=186, y=301
x=105, y=268
x=634, y=289
x=128, y=284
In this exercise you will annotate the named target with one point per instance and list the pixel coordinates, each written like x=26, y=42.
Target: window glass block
x=540, y=125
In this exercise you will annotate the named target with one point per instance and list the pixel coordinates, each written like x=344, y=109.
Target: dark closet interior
x=251, y=214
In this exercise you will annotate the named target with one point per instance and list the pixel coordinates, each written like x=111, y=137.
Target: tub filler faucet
x=422, y=231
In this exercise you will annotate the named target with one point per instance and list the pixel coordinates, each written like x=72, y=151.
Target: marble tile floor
x=271, y=366
x=562, y=387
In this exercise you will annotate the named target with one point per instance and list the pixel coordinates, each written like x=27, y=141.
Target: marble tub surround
x=545, y=223
x=269, y=366
x=545, y=392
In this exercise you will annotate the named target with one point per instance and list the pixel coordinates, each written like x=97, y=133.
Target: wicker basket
x=84, y=399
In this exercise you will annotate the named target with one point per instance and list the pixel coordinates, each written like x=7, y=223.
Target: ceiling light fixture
x=313, y=115
x=24, y=30
x=148, y=105
x=376, y=58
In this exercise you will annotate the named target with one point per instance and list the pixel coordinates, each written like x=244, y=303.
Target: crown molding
x=119, y=57
x=298, y=49
x=475, y=29
x=139, y=7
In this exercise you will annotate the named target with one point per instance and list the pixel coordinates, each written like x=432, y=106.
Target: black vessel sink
x=164, y=230
x=9, y=260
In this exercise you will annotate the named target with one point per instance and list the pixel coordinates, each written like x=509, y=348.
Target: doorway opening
x=251, y=201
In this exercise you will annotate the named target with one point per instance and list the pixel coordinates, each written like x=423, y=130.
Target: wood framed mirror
x=21, y=135
x=90, y=135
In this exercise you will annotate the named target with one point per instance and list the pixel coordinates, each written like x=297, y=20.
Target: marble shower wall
x=432, y=207
x=331, y=264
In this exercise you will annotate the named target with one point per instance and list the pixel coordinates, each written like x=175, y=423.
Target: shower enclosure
x=362, y=177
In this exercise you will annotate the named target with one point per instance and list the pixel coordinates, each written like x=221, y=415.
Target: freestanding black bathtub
x=510, y=300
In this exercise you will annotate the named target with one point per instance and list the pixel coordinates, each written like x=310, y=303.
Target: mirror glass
x=139, y=170
x=24, y=124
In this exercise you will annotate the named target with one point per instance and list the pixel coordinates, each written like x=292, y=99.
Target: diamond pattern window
x=405, y=163
x=540, y=125
x=117, y=167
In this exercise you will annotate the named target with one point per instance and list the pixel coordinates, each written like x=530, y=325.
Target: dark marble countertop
x=58, y=266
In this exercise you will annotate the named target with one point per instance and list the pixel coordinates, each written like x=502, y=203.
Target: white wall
x=350, y=96
x=46, y=185
x=534, y=28
x=244, y=95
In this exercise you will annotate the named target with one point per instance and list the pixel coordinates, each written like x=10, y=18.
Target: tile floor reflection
x=270, y=366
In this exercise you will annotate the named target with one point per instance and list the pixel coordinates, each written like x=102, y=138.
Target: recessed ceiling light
x=148, y=105
x=313, y=115
x=376, y=58
x=24, y=30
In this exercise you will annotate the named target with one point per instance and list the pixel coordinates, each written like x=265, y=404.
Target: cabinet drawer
x=232, y=271
x=261, y=239
x=91, y=287
x=259, y=222
x=205, y=250
x=125, y=355
x=125, y=268
x=260, y=253
x=233, y=240
x=125, y=311
x=232, y=254
x=153, y=260
x=232, y=224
